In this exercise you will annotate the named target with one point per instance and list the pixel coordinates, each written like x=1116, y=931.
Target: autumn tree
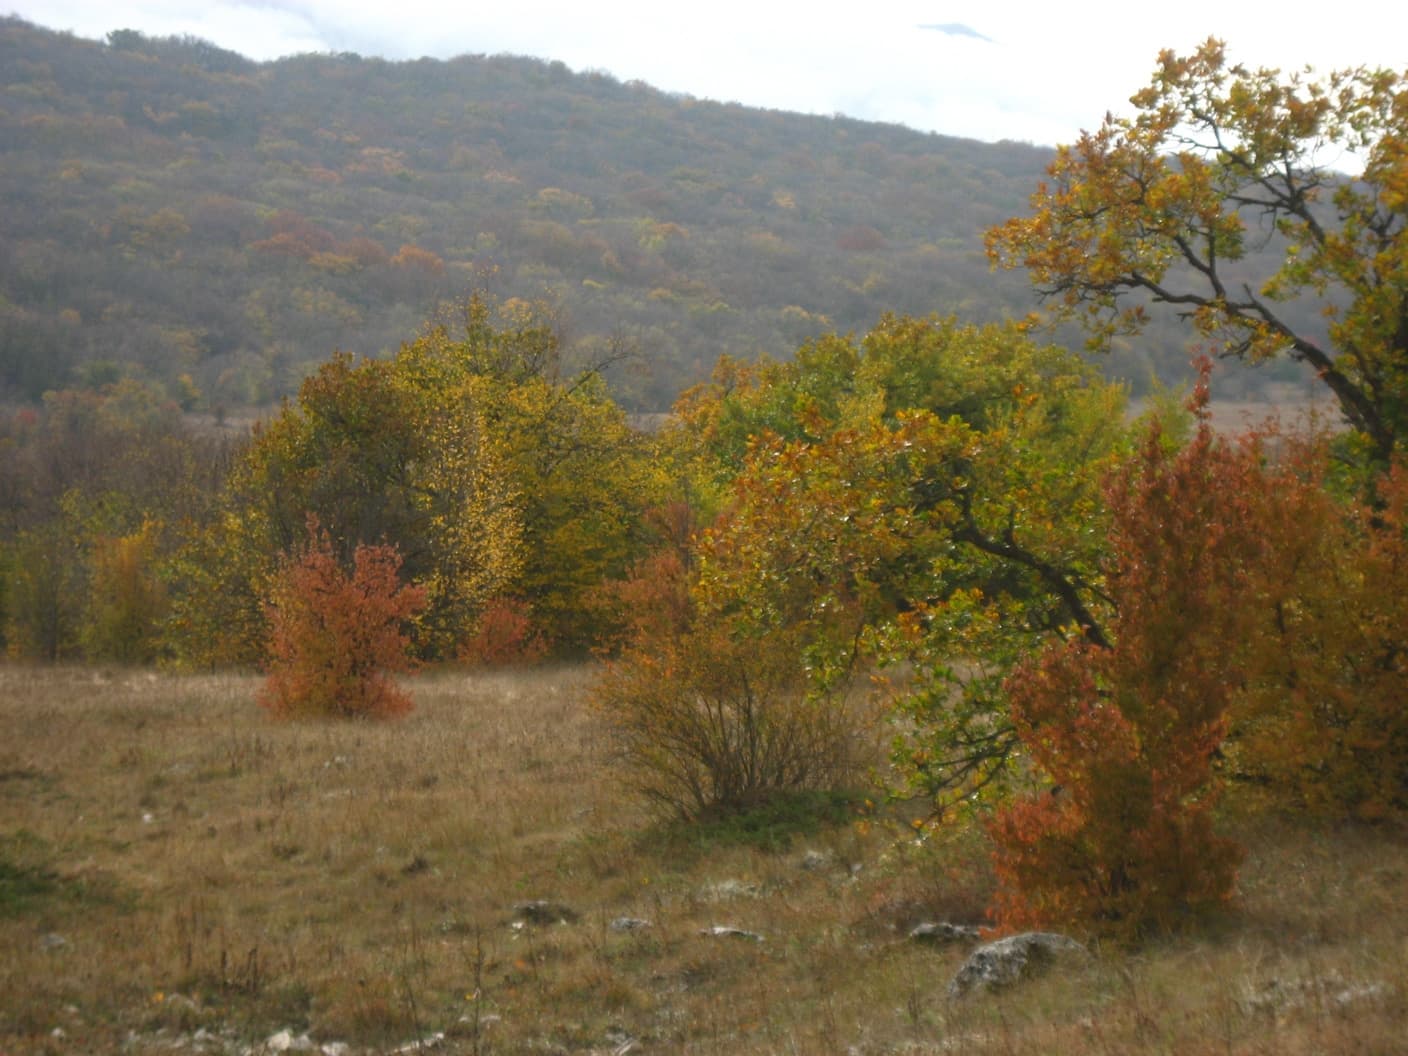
x=1255, y=635
x=924, y=499
x=1218, y=159
x=1318, y=721
x=98, y=485
x=126, y=600
x=334, y=637
x=711, y=701
x=507, y=485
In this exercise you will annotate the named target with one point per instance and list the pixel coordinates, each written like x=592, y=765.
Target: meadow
x=180, y=873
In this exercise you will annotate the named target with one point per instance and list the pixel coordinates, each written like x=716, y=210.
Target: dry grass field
x=179, y=874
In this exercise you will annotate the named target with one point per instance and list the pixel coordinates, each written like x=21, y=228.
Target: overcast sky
x=990, y=70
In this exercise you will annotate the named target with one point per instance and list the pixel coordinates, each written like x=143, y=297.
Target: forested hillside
x=220, y=225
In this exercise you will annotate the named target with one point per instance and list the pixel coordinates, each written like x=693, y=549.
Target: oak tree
x=1164, y=206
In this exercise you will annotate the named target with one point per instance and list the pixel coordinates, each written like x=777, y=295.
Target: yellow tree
x=1162, y=208
x=499, y=482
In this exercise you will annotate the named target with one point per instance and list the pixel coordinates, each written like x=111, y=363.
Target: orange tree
x=1319, y=719
x=1163, y=207
x=1256, y=633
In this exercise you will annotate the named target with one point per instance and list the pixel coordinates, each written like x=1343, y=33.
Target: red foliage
x=335, y=638
x=652, y=603
x=293, y=235
x=505, y=635
x=1127, y=734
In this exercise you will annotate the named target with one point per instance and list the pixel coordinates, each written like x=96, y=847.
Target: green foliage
x=773, y=826
x=1157, y=207
x=100, y=486
x=334, y=637
x=926, y=498
x=492, y=474
x=46, y=593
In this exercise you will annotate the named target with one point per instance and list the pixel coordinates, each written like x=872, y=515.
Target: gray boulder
x=1000, y=964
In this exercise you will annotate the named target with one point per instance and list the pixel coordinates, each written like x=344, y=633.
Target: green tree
x=1165, y=206
x=925, y=498
x=46, y=593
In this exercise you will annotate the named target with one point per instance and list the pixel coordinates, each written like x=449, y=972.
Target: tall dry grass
x=178, y=873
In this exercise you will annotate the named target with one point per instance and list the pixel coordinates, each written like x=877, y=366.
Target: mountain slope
x=173, y=208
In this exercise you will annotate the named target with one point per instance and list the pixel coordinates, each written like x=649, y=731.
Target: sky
x=989, y=70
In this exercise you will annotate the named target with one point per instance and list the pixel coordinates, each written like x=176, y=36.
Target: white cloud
x=1035, y=72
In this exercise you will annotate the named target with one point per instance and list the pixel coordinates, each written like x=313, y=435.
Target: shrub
x=334, y=638
x=505, y=635
x=1126, y=732
x=710, y=720
x=708, y=723
x=1321, y=722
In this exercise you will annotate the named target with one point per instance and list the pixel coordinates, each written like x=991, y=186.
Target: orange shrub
x=1124, y=838
x=505, y=635
x=334, y=638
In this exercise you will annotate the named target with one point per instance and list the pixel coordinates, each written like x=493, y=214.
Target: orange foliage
x=414, y=259
x=334, y=638
x=1124, y=839
x=1322, y=720
x=505, y=635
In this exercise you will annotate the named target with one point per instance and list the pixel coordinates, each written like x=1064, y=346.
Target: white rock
x=719, y=931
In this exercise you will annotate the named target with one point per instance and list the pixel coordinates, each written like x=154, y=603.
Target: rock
x=814, y=860
x=944, y=934
x=1007, y=961
x=541, y=911
x=52, y=941
x=335, y=1048
x=285, y=1041
x=628, y=924
x=434, y=1041
x=726, y=931
x=727, y=890
x=1277, y=996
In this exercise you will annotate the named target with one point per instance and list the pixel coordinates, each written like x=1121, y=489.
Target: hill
x=175, y=209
